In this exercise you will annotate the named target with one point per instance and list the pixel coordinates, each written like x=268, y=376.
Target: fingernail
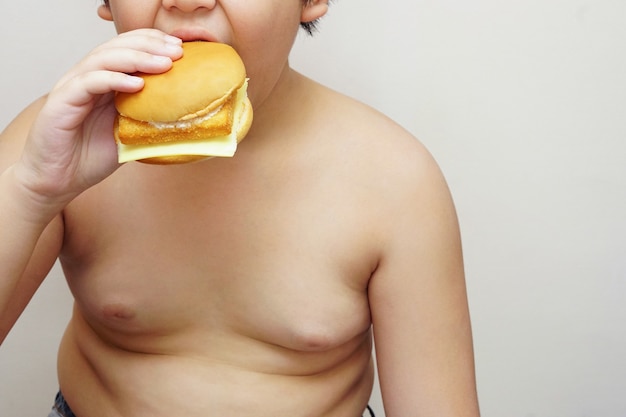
x=173, y=48
x=173, y=40
x=134, y=81
x=161, y=59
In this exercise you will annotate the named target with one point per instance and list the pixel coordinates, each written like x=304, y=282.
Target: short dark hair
x=309, y=27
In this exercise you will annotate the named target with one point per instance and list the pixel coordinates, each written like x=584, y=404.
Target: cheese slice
x=218, y=146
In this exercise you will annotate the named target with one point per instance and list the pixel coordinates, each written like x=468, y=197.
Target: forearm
x=23, y=219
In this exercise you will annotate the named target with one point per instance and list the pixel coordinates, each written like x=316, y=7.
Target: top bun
x=206, y=75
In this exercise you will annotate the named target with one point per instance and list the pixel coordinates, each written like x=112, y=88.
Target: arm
x=28, y=248
x=58, y=148
x=418, y=301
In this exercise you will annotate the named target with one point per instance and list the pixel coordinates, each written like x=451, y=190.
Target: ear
x=313, y=10
x=104, y=12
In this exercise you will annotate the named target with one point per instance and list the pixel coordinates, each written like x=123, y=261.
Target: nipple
x=117, y=311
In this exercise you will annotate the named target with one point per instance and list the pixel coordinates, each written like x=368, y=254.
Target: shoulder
x=353, y=120
x=392, y=167
x=394, y=160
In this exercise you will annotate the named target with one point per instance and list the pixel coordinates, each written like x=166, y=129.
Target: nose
x=188, y=5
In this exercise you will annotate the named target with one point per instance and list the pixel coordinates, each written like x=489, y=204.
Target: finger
x=127, y=61
x=155, y=44
x=152, y=34
x=95, y=83
x=67, y=107
x=121, y=61
x=136, y=53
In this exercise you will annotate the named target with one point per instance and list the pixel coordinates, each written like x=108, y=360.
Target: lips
x=193, y=34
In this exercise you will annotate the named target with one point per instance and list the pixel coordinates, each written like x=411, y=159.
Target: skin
x=245, y=285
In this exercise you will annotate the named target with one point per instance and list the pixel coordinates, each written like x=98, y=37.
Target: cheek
x=133, y=14
x=266, y=20
x=267, y=34
x=266, y=49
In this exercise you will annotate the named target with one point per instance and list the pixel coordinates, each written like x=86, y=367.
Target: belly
x=288, y=335
x=237, y=377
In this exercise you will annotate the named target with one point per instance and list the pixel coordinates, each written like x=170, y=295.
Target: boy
x=252, y=285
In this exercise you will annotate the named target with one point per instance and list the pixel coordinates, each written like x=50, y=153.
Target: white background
x=522, y=102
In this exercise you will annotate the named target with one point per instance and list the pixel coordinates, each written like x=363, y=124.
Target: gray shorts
x=62, y=409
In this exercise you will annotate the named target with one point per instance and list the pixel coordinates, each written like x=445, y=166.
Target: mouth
x=193, y=35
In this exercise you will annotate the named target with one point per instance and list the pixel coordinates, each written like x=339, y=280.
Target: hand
x=70, y=146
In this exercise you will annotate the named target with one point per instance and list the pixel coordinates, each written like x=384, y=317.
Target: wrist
x=27, y=199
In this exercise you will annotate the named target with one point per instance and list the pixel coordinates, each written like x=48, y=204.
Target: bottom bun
x=174, y=159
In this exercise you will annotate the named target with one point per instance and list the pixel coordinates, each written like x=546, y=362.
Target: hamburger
x=196, y=110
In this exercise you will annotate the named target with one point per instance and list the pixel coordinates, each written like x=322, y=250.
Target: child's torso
x=229, y=287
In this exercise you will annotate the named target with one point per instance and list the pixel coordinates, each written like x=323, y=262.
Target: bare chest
x=281, y=260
